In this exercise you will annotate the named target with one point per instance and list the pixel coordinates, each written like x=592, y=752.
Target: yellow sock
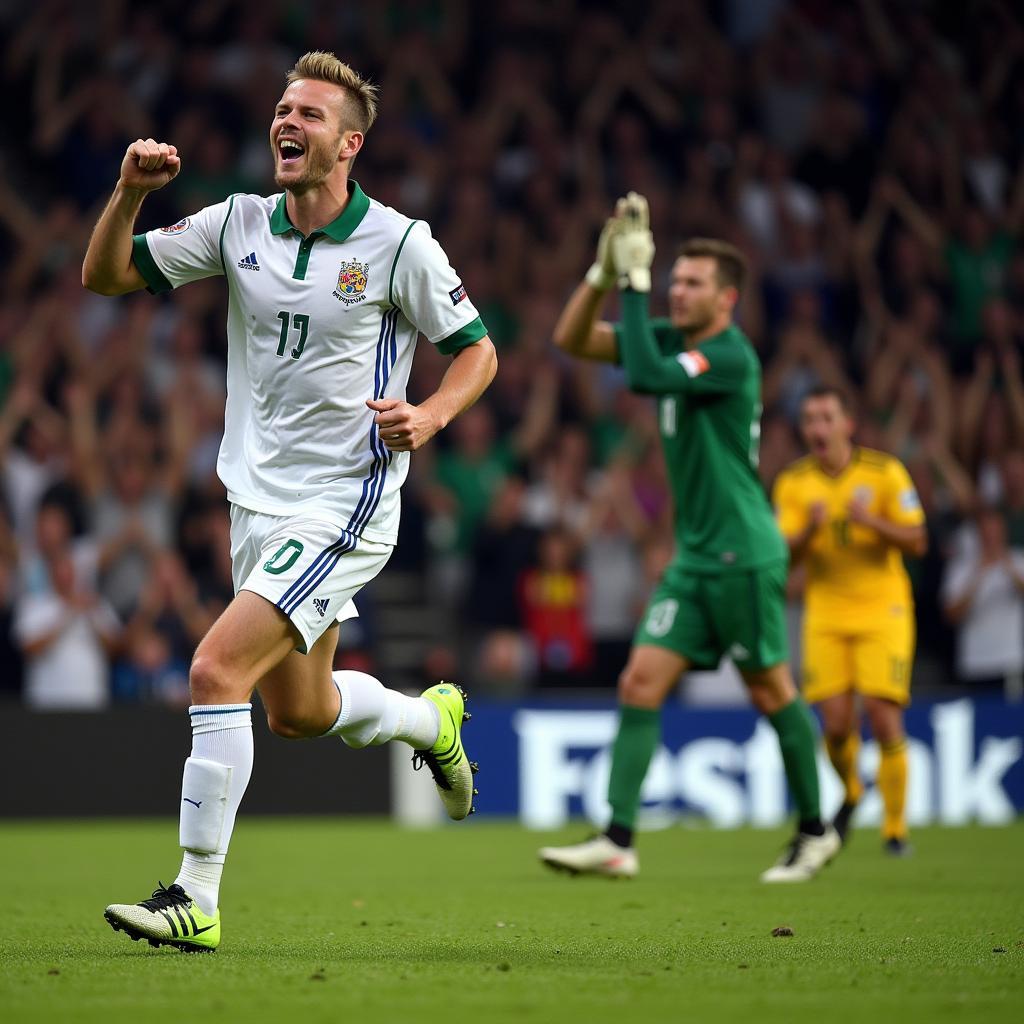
x=892, y=782
x=843, y=755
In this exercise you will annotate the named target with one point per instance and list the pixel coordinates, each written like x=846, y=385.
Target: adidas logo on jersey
x=320, y=604
x=249, y=262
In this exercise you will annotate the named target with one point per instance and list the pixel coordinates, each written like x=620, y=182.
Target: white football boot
x=805, y=856
x=596, y=856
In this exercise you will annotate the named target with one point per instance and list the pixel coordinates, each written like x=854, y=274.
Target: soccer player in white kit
x=328, y=291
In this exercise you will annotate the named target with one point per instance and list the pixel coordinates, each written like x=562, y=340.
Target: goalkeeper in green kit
x=723, y=593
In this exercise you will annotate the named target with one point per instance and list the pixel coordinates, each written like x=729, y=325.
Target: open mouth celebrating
x=290, y=150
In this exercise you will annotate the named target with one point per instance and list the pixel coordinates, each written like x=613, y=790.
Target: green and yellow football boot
x=170, y=917
x=453, y=772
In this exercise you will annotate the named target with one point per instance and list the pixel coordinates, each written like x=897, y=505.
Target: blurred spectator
x=37, y=462
x=1013, y=497
x=470, y=471
x=554, y=595
x=984, y=598
x=10, y=650
x=167, y=625
x=558, y=497
x=505, y=664
x=612, y=540
x=504, y=545
x=772, y=198
x=465, y=479
x=150, y=671
x=805, y=358
x=67, y=636
x=132, y=492
x=135, y=521
x=976, y=252
x=55, y=536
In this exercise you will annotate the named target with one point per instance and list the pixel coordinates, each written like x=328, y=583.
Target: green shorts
x=703, y=617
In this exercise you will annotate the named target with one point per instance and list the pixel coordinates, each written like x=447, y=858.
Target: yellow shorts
x=875, y=660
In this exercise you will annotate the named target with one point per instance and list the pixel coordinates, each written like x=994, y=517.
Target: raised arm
x=866, y=238
x=971, y=407
x=1013, y=388
x=884, y=39
x=580, y=333
x=957, y=480
x=714, y=369
x=539, y=415
x=647, y=370
x=87, y=467
x=108, y=268
x=928, y=230
x=941, y=407
x=627, y=75
x=578, y=330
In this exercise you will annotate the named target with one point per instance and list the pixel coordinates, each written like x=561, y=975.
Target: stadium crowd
x=866, y=156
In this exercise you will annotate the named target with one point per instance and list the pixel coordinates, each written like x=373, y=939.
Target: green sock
x=798, y=739
x=635, y=743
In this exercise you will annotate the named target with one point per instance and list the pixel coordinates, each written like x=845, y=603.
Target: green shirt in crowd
x=976, y=276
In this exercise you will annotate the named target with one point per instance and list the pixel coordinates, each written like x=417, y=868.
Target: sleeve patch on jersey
x=176, y=229
x=909, y=500
x=694, y=363
x=458, y=294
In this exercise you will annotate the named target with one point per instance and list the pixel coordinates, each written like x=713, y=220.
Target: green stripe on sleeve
x=223, y=228
x=154, y=277
x=394, y=264
x=463, y=337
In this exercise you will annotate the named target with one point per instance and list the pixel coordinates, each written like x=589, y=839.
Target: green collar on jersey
x=679, y=335
x=726, y=332
x=339, y=229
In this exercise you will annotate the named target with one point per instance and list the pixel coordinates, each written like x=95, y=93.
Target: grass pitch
x=342, y=920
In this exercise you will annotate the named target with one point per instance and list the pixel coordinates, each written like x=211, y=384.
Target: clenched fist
x=402, y=427
x=149, y=165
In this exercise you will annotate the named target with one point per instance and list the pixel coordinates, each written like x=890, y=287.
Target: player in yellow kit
x=850, y=514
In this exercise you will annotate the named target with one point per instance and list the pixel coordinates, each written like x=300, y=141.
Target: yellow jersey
x=853, y=576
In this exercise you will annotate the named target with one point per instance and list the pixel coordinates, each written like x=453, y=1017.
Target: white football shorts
x=309, y=569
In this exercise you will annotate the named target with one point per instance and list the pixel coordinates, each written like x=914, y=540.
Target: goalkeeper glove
x=633, y=244
x=601, y=275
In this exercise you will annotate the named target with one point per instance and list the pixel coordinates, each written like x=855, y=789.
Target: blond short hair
x=360, y=108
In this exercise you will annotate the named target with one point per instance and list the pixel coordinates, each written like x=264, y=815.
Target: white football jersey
x=316, y=326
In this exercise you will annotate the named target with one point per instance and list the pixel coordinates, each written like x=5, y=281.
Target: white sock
x=371, y=714
x=221, y=733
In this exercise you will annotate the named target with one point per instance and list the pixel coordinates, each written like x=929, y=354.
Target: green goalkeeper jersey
x=709, y=417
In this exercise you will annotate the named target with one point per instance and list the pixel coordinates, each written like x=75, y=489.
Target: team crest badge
x=352, y=280
x=176, y=229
